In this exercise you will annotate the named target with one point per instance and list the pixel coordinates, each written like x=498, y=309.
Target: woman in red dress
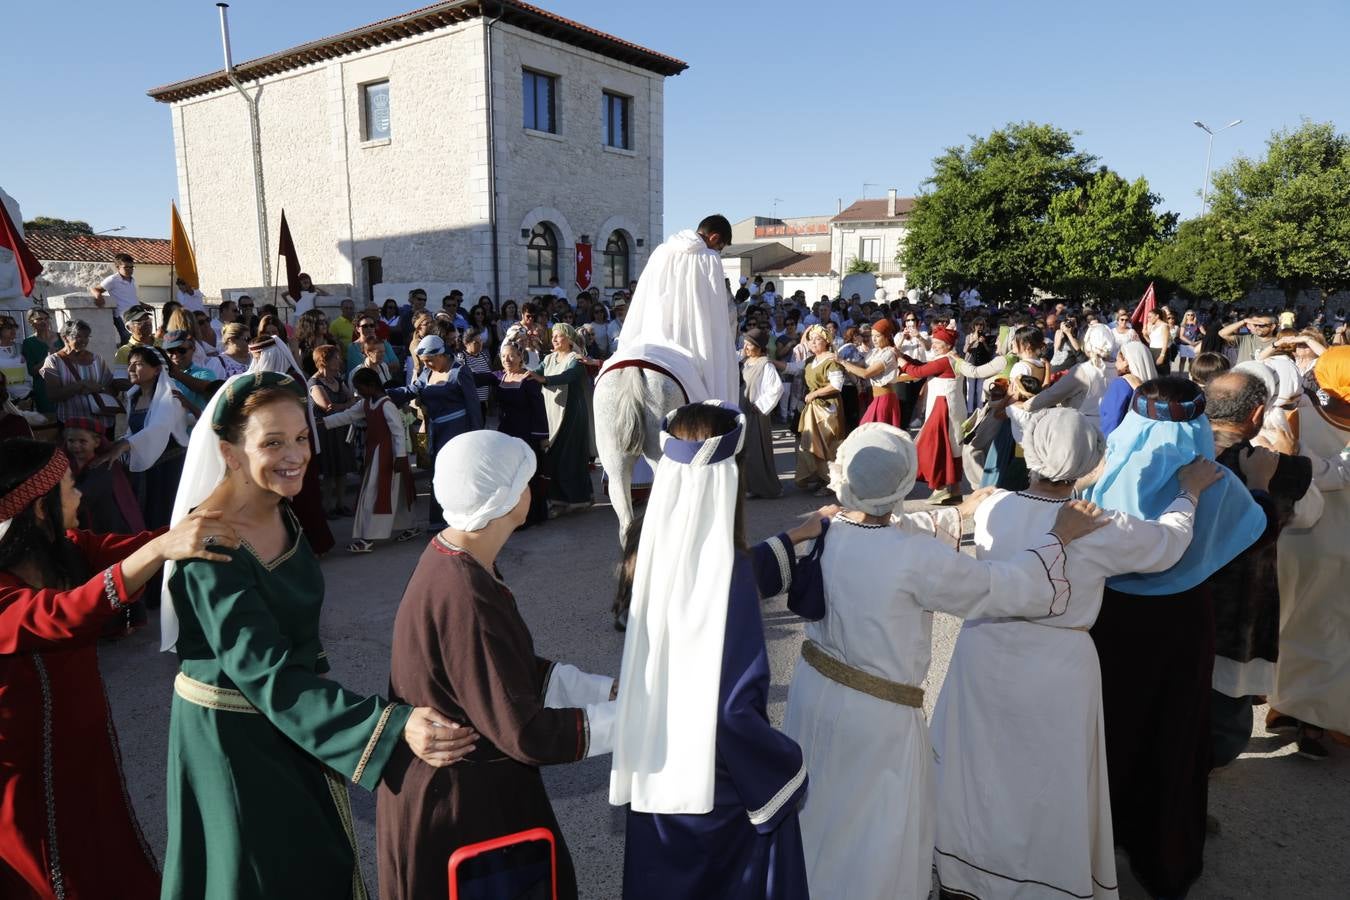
x=939, y=442
x=67, y=829
x=881, y=369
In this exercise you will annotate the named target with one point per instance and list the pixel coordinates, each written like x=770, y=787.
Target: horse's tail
x=630, y=408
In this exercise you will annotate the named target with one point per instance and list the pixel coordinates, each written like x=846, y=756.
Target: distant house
x=813, y=253
x=75, y=263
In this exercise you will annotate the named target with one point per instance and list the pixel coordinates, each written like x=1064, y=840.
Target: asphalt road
x=1285, y=830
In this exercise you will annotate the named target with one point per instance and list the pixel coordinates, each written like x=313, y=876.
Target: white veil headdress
x=203, y=470
x=665, y=733
x=164, y=418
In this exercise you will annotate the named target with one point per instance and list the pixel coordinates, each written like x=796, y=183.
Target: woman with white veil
x=1134, y=365
x=712, y=787
x=271, y=354
x=259, y=740
x=1084, y=386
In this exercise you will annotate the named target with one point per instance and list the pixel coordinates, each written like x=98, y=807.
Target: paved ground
x=1284, y=824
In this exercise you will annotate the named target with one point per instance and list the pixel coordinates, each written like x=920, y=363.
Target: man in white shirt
x=615, y=325
x=191, y=300
x=121, y=285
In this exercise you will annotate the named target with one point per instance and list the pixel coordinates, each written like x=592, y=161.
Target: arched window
x=616, y=261
x=541, y=255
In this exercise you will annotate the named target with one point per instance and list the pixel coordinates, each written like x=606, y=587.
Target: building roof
x=875, y=210
x=802, y=264
x=57, y=246
x=429, y=18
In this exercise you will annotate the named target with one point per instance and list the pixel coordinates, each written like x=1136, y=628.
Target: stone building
x=470, y=144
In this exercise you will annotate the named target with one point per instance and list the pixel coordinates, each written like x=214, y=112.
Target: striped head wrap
x=35, y=487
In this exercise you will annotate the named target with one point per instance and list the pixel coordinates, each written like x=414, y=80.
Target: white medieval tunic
x=1312, y=675
x=1023, y=803
x=370, y=525
x=867, y=824
x=681, y=308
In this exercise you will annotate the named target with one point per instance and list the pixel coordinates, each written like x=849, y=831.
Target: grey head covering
x=1060, y=444
x=874, y=469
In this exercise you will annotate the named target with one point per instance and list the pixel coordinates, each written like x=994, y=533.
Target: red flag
x=286, y=250
x=584, y=266
x=11, y=240
x=1146, y=305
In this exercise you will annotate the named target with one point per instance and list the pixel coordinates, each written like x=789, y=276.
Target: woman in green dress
x=568, y=406
x=260, y=744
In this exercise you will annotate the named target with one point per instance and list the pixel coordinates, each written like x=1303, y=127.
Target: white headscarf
x=480, y=476
x=874, y=469
x=203, y=469
x=1276, y=419
x=1060, y=444
x=164, y=418
x=1290, y=380
x=1140, y=358
x=1099, y=341
x=666, y=727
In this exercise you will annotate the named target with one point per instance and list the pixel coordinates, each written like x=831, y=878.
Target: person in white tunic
x=1023, y=804
x=1312, y=676
x=855, y=704
x=1083, y=386
x=385, y=503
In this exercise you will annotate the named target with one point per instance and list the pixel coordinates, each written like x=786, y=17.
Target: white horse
x=629, y=406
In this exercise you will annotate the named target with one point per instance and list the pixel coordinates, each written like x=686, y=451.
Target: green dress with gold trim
x=260, y=744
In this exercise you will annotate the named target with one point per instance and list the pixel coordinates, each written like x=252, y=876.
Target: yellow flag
x=184, y=262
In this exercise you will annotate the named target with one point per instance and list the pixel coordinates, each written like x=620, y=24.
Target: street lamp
x=111, y=230
x=1204, y=188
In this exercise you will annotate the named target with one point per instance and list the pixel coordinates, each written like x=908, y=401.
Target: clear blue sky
x=800, y=101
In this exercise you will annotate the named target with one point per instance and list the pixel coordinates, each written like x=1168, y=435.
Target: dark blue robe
x=451, y=408
x=749, y=847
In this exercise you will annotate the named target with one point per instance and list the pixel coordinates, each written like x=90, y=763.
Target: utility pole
x=255, y=132
x=1209, y=153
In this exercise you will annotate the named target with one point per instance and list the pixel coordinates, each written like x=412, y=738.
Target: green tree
x=1289, y=210
x=64, y=226
x=863, y=266
x=1204, y=260
x=1105, y=236
x=983, y=218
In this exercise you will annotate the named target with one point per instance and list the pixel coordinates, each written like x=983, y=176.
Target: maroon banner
x=286, y=250
x=584, y=266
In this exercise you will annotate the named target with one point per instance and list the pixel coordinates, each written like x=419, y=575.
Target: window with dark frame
x=616, y=261
x=540, y=108
x=616, y=109
x=541, y=255
x=372, y=271
x=375, y=111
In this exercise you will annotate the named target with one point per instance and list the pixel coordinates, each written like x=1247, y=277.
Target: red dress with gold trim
x=67, y=828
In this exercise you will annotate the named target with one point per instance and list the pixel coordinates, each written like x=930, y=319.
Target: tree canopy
x=1287, y=213
x=64, y=226
x=1024, y=209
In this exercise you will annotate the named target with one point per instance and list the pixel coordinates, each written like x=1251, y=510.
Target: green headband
x=238, y=389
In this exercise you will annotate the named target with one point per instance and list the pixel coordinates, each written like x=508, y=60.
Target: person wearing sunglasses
x=1260, y=334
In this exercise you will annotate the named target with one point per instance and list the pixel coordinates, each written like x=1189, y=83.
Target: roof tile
x=59, y=247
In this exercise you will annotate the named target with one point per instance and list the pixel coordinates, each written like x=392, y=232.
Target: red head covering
x=885, y=328
x=946, y=335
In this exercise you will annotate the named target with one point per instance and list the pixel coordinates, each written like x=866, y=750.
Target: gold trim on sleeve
x=374, y=740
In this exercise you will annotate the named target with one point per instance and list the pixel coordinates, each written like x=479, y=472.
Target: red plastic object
x=468, y=852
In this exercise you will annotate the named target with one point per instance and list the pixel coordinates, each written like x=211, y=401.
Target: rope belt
x=865, y=682
x=211, y=696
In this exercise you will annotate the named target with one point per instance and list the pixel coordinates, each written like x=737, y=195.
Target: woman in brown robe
x=459, y=637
